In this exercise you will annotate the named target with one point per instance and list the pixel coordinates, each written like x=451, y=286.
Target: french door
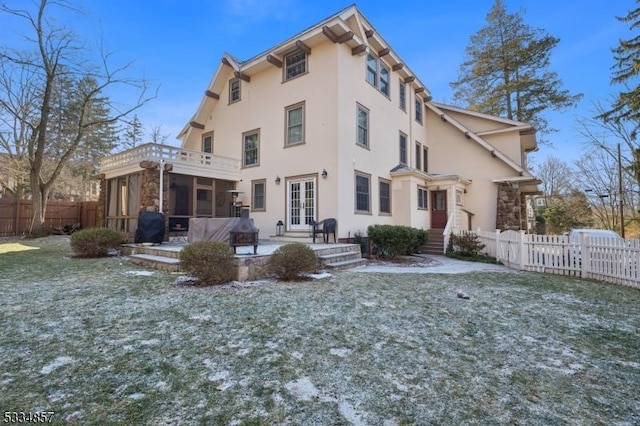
x=301, y=203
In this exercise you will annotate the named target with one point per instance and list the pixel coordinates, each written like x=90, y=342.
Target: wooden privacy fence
x=16, y=215
x=612, y=260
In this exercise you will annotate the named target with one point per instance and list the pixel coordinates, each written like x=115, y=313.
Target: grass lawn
x=104, y=342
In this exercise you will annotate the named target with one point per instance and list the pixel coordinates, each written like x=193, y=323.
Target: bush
x=392, y=240
x=291, y=261
x=465, y=244
x=211, y=262
x=95, y=242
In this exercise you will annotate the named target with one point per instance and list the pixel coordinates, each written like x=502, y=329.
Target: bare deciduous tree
x=58, y=64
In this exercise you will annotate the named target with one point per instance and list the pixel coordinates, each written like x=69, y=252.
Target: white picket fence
x=605, y=259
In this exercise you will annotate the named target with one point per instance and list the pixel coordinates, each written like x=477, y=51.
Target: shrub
x=465, y=244
x=95, y=242
x=290, y=261
x=394, y=240
x=211, y=262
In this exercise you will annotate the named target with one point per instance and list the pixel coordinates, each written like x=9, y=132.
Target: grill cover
x=150, y=228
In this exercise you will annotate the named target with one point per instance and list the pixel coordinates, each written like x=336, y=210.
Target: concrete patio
x=166, y=257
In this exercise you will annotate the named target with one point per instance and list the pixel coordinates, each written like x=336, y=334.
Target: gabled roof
x=525, y=129
x=348, y=27
x=441, y=110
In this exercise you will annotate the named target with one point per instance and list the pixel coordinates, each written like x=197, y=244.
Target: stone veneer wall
x=102, y=202
x=509, y=208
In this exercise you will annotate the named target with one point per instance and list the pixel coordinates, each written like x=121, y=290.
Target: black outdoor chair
x=325, y=227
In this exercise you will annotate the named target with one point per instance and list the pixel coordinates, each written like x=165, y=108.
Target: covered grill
x=244, y=233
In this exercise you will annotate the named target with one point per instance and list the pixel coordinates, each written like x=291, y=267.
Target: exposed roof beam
x=384, y=52
x=274, y=61
x=300, y=45
x=419, y=90
x=196, y=125
x=368, y=33
x=210, y=94
x=345, y=37
x=409, y=79
x=242, y=76
x=359, y=49
x=329, y=34
x=226, y=62
x=397, y=67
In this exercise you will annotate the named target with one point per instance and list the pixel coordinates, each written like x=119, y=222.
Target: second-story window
x=362, y=119
x=418, y=156
x=295, y=64
x=402, y=92
x=294, y=116
x=403, y=148
x=234, y=90
x=251, y=148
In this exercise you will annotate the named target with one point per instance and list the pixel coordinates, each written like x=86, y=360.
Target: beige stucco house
x=331, y=123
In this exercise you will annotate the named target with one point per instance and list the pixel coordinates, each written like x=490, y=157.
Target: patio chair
x=325, y=227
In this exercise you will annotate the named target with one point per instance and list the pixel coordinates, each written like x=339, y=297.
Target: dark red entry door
x=438, y=209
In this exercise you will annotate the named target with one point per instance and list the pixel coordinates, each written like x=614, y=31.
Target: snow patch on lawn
x=341, y=352
x=350, y=414
x=297, y=355
x=302, y=389
x=57, y=363
x=140, y=273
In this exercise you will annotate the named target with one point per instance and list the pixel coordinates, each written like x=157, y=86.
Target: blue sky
x=177, y=44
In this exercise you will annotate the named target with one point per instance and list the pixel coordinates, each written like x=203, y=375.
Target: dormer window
x=295, y=64
x=234, y=90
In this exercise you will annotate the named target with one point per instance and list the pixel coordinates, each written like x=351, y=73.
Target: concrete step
x=345, y=264
x=162, y=263
x=338, y=257
x=342, y=248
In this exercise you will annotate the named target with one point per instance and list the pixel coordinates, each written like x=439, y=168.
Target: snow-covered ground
x=101, y=341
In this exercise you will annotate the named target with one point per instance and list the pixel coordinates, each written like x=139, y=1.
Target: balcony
x=184, y=161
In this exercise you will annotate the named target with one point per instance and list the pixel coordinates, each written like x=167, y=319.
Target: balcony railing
x=169, y=154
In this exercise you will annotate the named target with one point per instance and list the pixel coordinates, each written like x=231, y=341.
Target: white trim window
x=251, y=148
x=422, y=198
x=294, y=117
x=402, y=95
x=295, y=64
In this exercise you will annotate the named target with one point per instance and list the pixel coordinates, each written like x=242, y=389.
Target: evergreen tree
x=507, y=74
x=626, y=71
x=133, y=133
